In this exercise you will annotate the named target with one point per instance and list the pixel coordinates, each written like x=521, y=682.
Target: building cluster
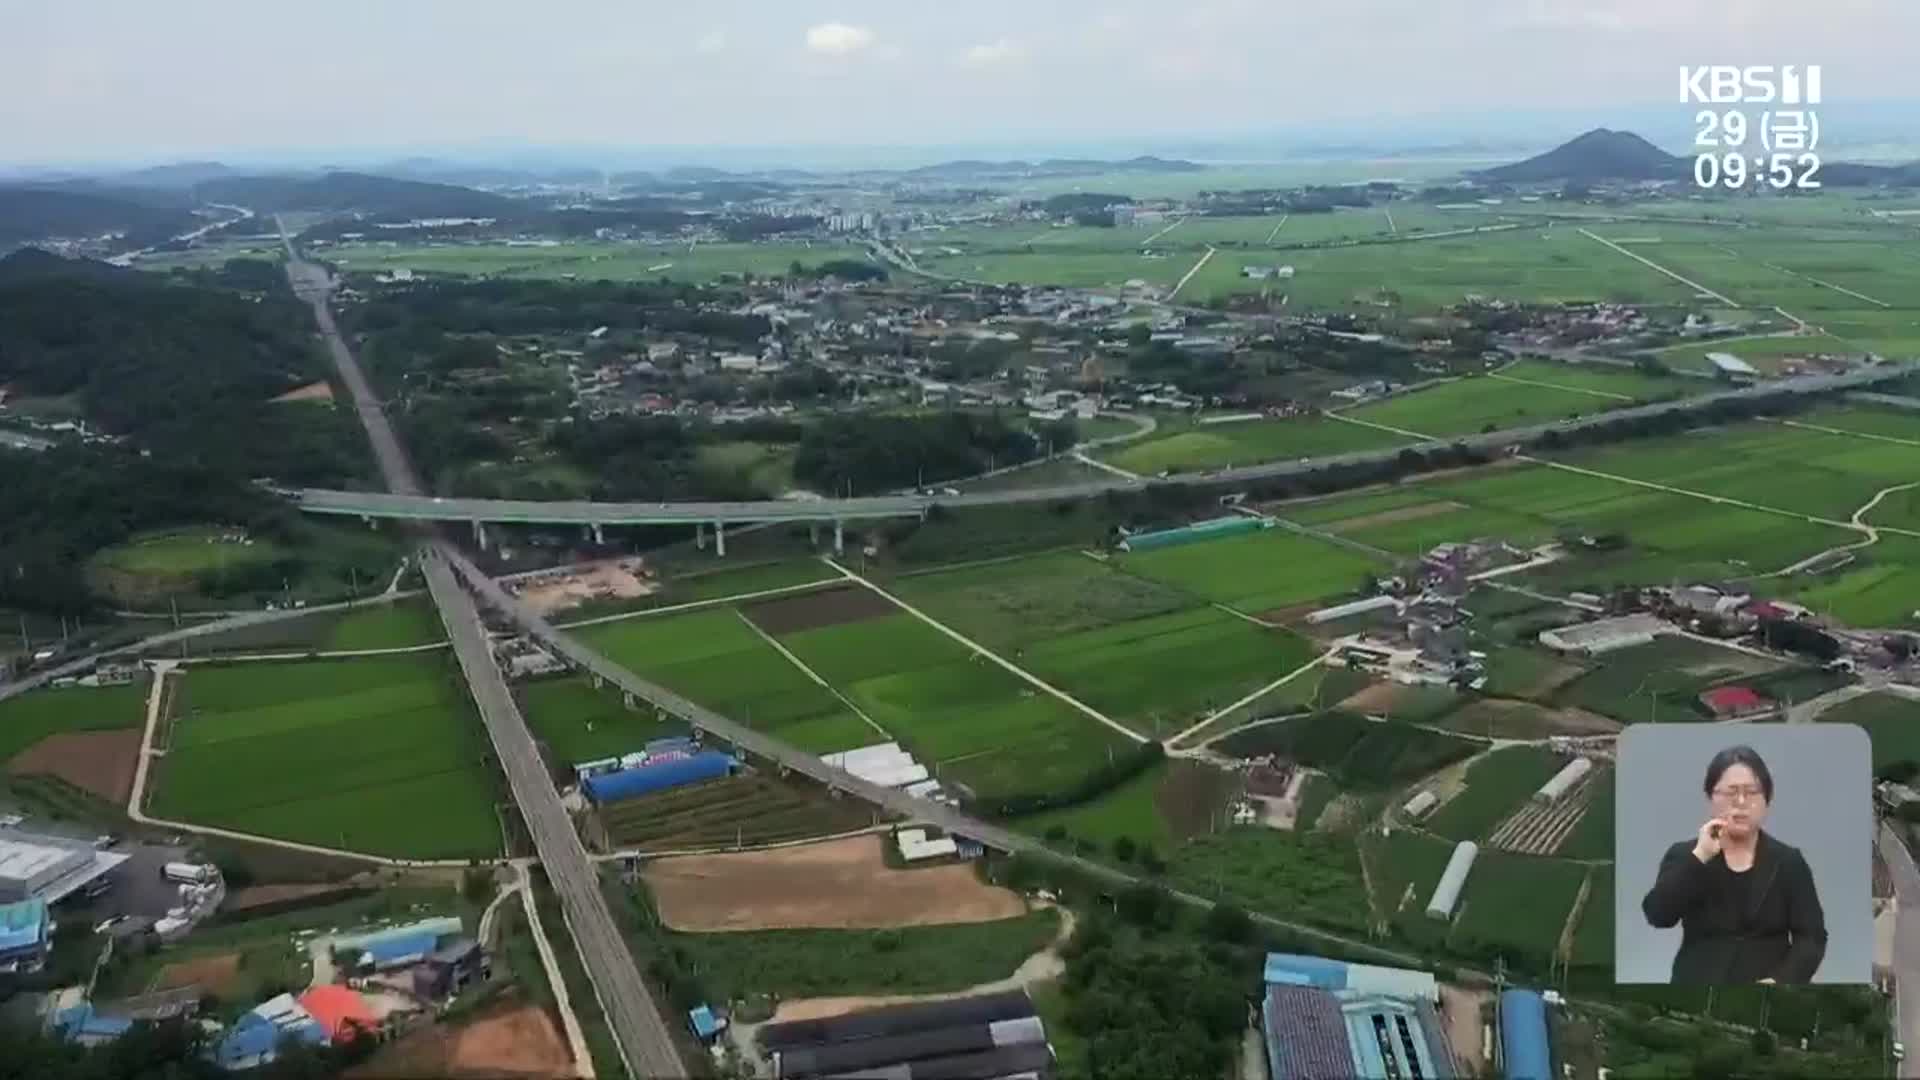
x=43, y=876
x=987, y=1035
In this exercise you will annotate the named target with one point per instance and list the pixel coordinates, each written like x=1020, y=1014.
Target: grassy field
x=907, y=960
x=393, y=626
x=1186, y=448
x=1659, y=681
x=1402, y=869
x=716, y=657
x=181, y=552
x=1880, y=588
x=1482, y=403
x=1518, y=902
x=380, y=755
x=1891, y=721
x=1592, y=838
x=1056, y=472
x=1255, y=572
x=1008, y=603
x=27, y=719
x=577, y=723
x=1313, y=876
x=983, y=727
x=1131, y=810
x=1497, y=785
x=1603, y=381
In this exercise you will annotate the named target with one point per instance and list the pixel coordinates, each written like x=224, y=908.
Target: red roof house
x=337, y=1009
x=1734, y=701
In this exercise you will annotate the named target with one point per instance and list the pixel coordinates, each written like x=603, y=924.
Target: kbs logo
x=1724, y=84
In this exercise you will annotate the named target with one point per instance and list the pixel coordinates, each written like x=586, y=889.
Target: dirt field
x=317, y=391
x=840, y=884
x=1460, y=1012
x=213, y=974
x=255, y=895
x=810, y=611
x=97, y=761
x=1499, y=718
x=515, y=1043
x=618, y=578
x=1378, y=698
x=1388, y=517
x=1192, y=795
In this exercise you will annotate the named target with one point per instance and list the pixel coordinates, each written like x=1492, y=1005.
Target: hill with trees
x=1599, y=154
x=73, y=211
x=375, y=196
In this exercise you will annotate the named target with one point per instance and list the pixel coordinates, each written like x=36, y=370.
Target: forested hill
x=182, y=369
x=38, y=213
x=377, y=196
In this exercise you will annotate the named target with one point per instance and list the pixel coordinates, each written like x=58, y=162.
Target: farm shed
x=1356, y=607
x=1604, y=635
x=1199, y=530
x=1732, y=702
x=914, y=845
x=861, y=1054
x=647, y=779
x=1452, y=880
x=896, y=1020
x=1523, y=1036
x=1420, y=804
x=1562, y=782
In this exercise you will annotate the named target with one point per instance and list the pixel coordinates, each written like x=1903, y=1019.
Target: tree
x=1229, y=924
x=476, y=884
x=1123, y=848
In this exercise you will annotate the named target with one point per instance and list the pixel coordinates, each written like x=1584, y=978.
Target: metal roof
x=48, y=867
x=1523, y=1036
x=23, y=924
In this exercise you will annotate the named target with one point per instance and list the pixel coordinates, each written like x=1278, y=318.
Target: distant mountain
x=483, y=176
x=181, y=175
x=977, y=170
x=378, y=196
x=1598, y=155
x=1851, y=174
x=36, y=213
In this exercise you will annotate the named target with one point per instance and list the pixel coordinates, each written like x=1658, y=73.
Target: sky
x=95, y=80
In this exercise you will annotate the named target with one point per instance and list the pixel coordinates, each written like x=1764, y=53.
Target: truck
x=190, y=873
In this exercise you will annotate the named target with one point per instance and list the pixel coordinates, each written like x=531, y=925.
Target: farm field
x=1660, y=681
x=398, y=625
x=1479, y=403
x=1891, y=721
x=1131, y=810
x=1518, y=902
x=577, y=723
x=1592, y=836
x=594, y=261
x=1310, y=876
x=1402, y=869
x=1358, y=753
x=743, y=809
x=1879, y=589
x=1497, y=785
x=1006, y=603
x=715, y=657
x=379, y=755
x=1257, y=572
x=984, y=728
x=841, y=884
x=905, y=960
x=1186, y=448
x=1604, y=380
x=1057, y=472
x=29, y=718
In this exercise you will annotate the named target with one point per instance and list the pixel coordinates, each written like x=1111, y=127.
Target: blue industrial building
x=1199, y=530
x=1524, y=1052
x=647, y=779
x=1326, y=1017
x=26, y=935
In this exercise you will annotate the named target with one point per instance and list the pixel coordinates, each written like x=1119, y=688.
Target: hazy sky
x=90, y=79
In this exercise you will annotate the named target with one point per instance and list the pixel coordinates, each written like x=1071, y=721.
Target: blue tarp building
x=647, y=779
x=26, y=935
x=255, y=1038
x=80, y=1024
x=704, y=1023
x=1523, y=1036
x=399, y=951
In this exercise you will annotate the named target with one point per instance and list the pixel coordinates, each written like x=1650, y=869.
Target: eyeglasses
x=1738, y=794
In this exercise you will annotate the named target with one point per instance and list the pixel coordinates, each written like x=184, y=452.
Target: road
x=1906, y=945
x=646, y=1044
x=414, y=506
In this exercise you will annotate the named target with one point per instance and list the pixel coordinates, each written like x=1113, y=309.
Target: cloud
x=838, y=39
x=711, y=42
x=992, y=54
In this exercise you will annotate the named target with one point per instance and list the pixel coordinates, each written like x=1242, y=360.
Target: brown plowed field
x=839, y=884
x=100, y=762
x=213, y=974
x=515, y=1044
x=810, y=611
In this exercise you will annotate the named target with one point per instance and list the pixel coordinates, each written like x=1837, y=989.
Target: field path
x=1503, y=377
x=576, y=1038
x=1649, y=262
x=1082, y=457
x=1248, y=700
x=692, y=605
x=1850, y=434
x=811, y=674
x=1149, y=240
x=1277, y=228
x=136, y=796
x=1019, y=672
x=1188, y=276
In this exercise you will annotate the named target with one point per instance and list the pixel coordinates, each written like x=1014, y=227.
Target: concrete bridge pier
x=599, y=537
x=598, y=682
x=813, y=535
x=720, y=539
x=700, y=536
x=480, y=534
x=839, y=537
x=372, y=522
x=626, y=698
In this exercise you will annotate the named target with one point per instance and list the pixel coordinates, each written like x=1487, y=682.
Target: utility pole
x=26, y=642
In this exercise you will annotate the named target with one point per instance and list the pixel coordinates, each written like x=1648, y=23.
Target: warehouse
x=1199, y=530
x=49, y=868
x=1324, y=1018
x=1605, y=635
x=1523, y=1036
x=989, y=1035
x=647, y=779
x=1452, y=881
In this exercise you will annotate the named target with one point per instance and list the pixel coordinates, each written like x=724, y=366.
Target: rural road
x=646, y=1044
x=1906, y=946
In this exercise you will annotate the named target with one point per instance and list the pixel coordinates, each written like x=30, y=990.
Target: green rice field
x=577, y=723
x=28, y=718
x=1482, y=403
x=1890, y=720
x=593, y=261
x=382, y=755
x=1244, y=442
x=1497, y=785
x=1255, y=572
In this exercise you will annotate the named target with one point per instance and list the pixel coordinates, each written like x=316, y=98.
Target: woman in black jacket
x=1745, y=902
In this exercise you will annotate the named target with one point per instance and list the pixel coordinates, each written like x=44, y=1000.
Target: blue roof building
x=1524, y=1050
x=79, y=1023
x=26, y=935
x=704, y=1023
x=1325, y=1017
x=1292, y=969
x=394, y=952
x=256, y=1037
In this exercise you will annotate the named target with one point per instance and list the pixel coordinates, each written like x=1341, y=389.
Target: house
x=340, y=1011
x=1735, y=702
x=452, y=968
x=705, y=1023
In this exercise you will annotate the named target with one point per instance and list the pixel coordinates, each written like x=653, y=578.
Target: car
x=1899, y=1051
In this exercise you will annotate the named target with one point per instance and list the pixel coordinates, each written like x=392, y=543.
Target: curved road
x=414, y=506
